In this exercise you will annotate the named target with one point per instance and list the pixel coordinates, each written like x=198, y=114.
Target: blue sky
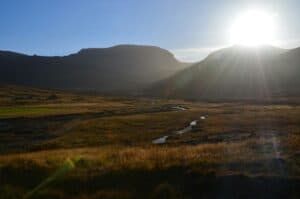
x=189, y=28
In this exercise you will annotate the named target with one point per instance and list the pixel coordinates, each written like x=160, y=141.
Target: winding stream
x=163, y=140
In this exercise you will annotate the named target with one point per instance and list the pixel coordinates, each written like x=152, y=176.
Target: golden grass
x=149, y=158
x=121, y=140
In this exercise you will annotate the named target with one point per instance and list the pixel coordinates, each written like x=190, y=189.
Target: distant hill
x=237, y=73
x=119, y=68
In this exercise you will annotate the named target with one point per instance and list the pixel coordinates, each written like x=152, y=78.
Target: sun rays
x=253, y=28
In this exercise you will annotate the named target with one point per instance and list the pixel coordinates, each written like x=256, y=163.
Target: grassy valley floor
x=56, y=144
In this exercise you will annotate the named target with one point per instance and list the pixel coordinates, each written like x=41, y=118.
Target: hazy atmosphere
x=161, y=99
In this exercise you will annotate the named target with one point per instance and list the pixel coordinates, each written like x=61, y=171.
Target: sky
x=190, y=29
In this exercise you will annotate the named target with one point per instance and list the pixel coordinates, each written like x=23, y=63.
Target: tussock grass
x=110, y=172
x=114, y=158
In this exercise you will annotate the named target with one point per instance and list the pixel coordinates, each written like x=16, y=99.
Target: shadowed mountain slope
x=237, y=73
x=119, y=68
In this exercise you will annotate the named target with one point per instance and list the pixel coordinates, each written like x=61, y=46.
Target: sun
x=253, y=28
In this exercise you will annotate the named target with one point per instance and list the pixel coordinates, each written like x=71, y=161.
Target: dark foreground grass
x=176, y=182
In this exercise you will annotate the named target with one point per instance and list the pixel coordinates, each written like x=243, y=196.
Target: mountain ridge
x=235, y=73
x=121, y=67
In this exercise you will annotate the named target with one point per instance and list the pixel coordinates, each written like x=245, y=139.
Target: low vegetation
x=87, y=146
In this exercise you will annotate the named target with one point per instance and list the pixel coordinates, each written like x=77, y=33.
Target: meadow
x=58, y=144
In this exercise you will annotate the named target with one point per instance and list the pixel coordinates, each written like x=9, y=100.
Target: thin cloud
x=193, y=54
